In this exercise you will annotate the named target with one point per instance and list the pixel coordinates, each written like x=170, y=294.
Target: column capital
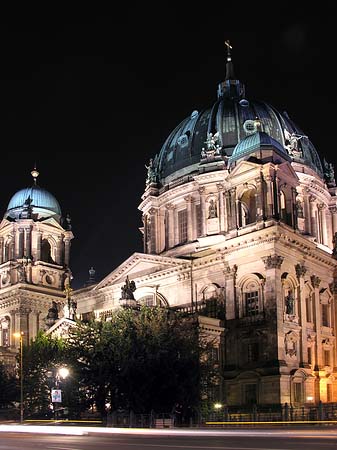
x=220, y=186
x=188, y=198
x=300, y=270
x=272, y=261
x=152, y=211
x=170, y=206
x=315, y=281
x=202, y=190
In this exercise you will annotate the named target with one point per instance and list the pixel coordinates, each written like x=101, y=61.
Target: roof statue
x=329, y=173
x=151, y=171
x=128, y=289
x=292, y=143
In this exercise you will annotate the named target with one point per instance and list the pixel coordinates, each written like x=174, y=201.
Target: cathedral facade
x=239, y=227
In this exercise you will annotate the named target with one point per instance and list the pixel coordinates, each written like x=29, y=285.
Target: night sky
x=91, y=98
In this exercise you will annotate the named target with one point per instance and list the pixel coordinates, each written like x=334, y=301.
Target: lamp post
x=63, y=372
x=20, y=336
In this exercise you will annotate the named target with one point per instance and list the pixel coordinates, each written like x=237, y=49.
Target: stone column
x=307, y=216
x=227, y=222
x=66, y=251
x=322, y=212
x=334, y=220
x=318, y=325
x=202, y=192
x=59, y=244
x=232, y=307
x=273, y=305
x=277, y=199
x=259, y=200
x=171, y=238
x=220, y=187
x=38, y=245
x=313, y=219
x=1, y=249
x=233, y=209
x=153, y=231
x=270, y=207
x=27, y=247
x=293, y=208
x=188, y=199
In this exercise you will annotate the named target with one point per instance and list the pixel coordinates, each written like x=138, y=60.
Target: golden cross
x=67, y=291
x=228, y=45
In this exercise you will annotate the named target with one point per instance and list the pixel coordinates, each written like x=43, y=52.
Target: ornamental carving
x=315, y=281
x=300, y=270
x=311, y=339
x=220, y=187
x=273, y=261
x=290, y=340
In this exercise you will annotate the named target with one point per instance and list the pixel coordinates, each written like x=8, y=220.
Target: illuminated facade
x=34, y=258
x=239, y=218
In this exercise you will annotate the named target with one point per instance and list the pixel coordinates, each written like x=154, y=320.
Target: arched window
x=251, y=296
x=247, y=212
x=46, y=252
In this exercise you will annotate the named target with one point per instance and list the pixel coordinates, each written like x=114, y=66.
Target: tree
x=9, y=389
x=139, y=360
x=39, y=359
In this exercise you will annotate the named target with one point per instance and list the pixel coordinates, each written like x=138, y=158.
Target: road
x=129, y=439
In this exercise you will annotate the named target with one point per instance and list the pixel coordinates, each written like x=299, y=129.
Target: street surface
x=85, y=438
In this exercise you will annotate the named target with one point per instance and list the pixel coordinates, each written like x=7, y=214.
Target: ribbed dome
x=256, y=141
x=232, y=116
x=43, y=203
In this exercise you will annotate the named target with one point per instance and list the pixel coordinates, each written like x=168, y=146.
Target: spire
x=229, y=65
x=35, y=173
x=231, y=88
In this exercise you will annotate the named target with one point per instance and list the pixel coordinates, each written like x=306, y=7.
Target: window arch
x=247, y=207
x=251, y=296
x=46, y=251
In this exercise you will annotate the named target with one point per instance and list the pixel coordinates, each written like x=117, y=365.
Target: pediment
x=138, y=265
x=5, y=223
x=287, y=171
x=61, y=327
x=243, y=167
x=52, y=222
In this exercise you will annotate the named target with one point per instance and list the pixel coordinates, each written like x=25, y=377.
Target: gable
x=138, y=265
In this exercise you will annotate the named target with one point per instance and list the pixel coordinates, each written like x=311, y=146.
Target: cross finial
x=35, y=173
x=229, y=48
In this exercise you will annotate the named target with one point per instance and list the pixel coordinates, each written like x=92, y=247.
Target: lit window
x=252, y=303
x=182, y=223
x=325, y=315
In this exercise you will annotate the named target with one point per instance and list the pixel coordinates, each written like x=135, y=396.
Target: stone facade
x=34, y=260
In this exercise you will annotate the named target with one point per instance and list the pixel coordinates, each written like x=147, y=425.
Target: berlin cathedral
x=239, y=228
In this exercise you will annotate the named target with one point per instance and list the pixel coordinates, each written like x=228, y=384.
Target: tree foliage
x=9, y=391
x=139, y=360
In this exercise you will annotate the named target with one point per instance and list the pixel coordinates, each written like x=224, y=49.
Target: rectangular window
x=252, y=303
x=198, y=219
x=298, y=392
x=250, y=394
x=329, y=392
x=182, y=224
x=327, y=357
x=309, y=355
x=325, y=315
x=308, y=309
x=253, y=352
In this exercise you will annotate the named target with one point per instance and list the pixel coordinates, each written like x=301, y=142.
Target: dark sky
x=91, y=98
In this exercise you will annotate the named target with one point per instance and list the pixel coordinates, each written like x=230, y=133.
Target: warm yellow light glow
x=217, y=405
x=310, y=399
x=17, y=335
x=63, y=372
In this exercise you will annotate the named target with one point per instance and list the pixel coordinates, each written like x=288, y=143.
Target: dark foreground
x=124, y=439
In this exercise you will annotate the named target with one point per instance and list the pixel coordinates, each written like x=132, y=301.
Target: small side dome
x=259, y=141
x=41, y=203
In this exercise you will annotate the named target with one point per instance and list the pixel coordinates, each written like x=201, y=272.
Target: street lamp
x=56, y=393
x=20, y=336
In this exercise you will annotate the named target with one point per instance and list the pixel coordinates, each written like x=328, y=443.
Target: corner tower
x=34, y=265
